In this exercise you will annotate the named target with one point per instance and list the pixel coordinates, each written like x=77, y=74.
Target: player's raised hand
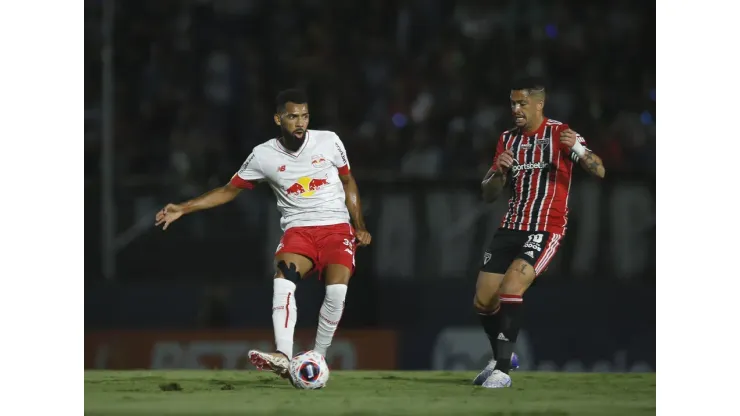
x=363, y=237
x=568, y=138
x=504, y=161
x=168, y=215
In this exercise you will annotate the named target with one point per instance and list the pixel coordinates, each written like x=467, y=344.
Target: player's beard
x=290, y=140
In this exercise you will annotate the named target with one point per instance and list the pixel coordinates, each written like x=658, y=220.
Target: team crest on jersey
x=543, y=143
x=319, y=161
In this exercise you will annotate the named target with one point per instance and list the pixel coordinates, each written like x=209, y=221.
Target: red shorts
x=323, y=244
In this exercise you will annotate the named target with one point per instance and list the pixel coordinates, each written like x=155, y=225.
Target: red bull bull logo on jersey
x=306, y=186
x=319, y=161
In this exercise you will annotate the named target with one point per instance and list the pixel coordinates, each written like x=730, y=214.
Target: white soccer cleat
x=486, y=372
x=483, y=375
x=497, y=380
x=271, y=361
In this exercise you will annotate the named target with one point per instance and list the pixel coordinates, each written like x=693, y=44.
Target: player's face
x=521, y=107
x=294, y=120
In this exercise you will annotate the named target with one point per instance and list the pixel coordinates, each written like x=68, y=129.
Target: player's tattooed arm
x=579, y=153
x=593, y=164
x=354, y=206
x=493, y=184
x=494, y=181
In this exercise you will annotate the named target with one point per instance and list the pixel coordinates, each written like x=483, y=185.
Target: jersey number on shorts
x=534, y=241
x=349, y=250
x=537, y=238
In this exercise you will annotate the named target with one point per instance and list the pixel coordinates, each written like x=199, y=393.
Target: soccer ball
x=309, y=371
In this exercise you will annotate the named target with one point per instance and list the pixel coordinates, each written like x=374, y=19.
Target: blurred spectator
x=417, y=87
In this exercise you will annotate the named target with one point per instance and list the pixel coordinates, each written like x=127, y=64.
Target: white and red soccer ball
x=309, y=371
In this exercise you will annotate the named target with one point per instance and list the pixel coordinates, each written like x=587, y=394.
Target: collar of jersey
x=288, y=152
x=536, y=131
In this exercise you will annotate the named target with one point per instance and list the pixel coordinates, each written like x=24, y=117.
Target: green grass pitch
x=425, y=393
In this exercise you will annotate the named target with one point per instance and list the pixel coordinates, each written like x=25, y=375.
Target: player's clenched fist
x=568, y=138
x=363, y=237
x=168, y=215
x=504, y=161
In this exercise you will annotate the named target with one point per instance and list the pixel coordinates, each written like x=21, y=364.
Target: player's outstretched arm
x=585, y=157
x=212, y=198
x=352, y=199
x=495, y=180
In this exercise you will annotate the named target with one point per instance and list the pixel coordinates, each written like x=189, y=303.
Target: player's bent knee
x=337, y=274
x=292, y=266
x=488, y=285
x=487, y=288
x=288, y=271
x=487, y=305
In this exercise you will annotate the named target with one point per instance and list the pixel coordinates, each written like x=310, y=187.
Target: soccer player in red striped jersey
x=536, y=161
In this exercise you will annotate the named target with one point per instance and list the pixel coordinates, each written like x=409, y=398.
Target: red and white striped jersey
x=539, y=179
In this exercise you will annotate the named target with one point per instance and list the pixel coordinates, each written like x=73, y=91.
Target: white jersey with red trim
x=306, y=182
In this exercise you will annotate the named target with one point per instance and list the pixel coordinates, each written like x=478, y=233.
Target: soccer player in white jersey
x=316, y=195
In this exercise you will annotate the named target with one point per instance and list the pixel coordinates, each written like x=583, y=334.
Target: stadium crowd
x=415, y=88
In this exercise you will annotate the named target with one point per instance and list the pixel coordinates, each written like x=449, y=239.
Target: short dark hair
x=532, y=85
x=293, y=95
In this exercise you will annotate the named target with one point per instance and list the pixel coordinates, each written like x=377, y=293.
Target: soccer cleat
x=276, y=362
x=497, y=380
x=483, y=375
x=514, y=361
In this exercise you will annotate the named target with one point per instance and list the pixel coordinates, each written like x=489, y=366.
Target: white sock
x=329, y=316
x=284, y=314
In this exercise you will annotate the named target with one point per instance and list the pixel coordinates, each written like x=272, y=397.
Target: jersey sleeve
x=249, y=174
x=573, y=156
x=340, y=157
